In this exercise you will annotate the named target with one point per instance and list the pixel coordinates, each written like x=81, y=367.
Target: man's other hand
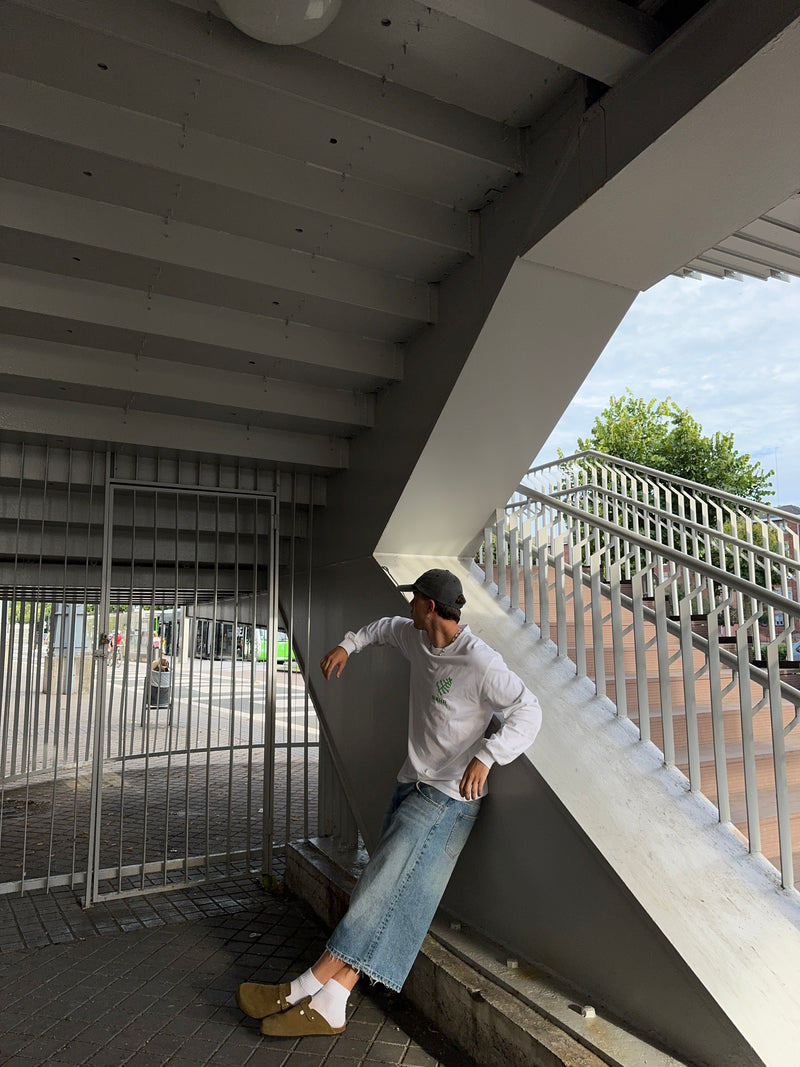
x=334, y=662
x=473, y=779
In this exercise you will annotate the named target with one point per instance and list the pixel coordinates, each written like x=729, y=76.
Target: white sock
x=331, y=1003
x=304, y=986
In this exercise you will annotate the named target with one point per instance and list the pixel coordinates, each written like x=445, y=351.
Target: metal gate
x=185, y=694
x=147, y=736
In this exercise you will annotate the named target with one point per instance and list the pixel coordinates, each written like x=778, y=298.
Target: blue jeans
x=396, y=897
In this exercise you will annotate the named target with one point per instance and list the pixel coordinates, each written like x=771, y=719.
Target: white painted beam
x=719, y=264
x=94, y=368
x=22, y=414
x=730, y=158
x=43, y=293
x=702, y=266
x=533, y=348
x=343, y=93
x=602, y=38
x=135, y=233
x=747, y=246
x=786, y=214
x=76, y=120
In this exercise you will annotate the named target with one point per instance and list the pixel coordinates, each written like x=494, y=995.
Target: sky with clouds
x=728, y=351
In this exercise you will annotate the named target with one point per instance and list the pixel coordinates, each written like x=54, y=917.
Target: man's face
x=421, y=606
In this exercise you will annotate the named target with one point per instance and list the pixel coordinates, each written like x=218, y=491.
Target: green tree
x=658, y=433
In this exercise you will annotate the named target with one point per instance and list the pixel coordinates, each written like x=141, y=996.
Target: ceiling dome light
x=281, y=21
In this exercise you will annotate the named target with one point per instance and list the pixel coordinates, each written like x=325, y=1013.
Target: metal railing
x=658, y=610
x=738, y=536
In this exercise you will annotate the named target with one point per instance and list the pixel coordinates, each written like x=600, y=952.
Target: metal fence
x=148, y=737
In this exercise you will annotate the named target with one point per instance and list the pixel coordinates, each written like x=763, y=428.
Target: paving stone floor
x=143, y=981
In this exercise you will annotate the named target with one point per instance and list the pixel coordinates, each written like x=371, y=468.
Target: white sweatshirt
x=454, y=692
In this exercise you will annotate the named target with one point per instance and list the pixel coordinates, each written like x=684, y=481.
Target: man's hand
x=334, y=660
x=473, y=779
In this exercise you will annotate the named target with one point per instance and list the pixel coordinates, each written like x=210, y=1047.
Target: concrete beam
x=603, y=39
x=351, y=100
x=142, y=376
x=76, y=120
x=350, y=359
x=135, y=233
x=730, y=158
x=523, y=368
x=117, y=426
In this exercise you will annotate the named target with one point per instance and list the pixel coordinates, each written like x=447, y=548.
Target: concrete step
x=765, y=778
x=702, y=693
x=500, y=1015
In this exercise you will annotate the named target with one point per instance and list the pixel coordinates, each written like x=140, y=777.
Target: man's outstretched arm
x=388, y=631
x=334, y=661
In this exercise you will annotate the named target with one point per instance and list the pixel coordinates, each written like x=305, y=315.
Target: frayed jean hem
x=364, y=969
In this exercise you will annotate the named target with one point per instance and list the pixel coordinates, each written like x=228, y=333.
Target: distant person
x=457, y=683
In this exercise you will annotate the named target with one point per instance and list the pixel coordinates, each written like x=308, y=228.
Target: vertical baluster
x=513, y=549
x=640, y=657
x=748, y=743
x=502, y=555
x=596, y=607
x=560, y=597
x=664, y=686
x=717, y=720
x=576, y=555
x=617, y=642
x=527, y=575
x=544, y=594
x=779, y=762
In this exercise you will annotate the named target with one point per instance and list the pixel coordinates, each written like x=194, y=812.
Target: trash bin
x=159, y=689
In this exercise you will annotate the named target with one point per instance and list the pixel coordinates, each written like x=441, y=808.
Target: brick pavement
x=214, y=806
x=172, y=804
x=150, y=980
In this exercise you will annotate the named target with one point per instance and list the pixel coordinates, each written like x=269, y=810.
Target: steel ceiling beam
x=347, y=358
x=604, y=39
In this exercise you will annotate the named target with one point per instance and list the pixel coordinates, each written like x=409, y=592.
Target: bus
x=216, y=641
x=281, y=647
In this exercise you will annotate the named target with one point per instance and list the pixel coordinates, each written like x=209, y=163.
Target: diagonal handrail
x=608, y=594
x=585, y=468
x=662, y=477
x=742, y=538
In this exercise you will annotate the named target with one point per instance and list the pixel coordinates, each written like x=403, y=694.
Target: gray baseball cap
x=441, y=586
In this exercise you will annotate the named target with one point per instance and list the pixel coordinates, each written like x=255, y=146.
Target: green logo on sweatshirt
x=442, y=689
